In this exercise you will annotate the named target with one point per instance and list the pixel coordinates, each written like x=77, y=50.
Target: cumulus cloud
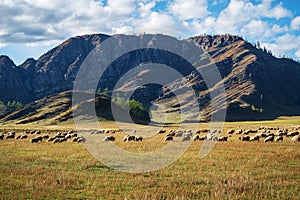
x=295, y=23
x=284, y=44
x=191, y=9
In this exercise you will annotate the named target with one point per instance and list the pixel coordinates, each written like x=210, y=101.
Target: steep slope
x=11, y=83
x=258, y=85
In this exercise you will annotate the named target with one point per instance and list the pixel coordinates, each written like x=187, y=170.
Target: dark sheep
x=196, y=137
x=46, y=136
x=254, y=138
x=51, y=139
x=1, y=137
x=109, y=138
x=81, y=140
x=37, y=132
x=278, y=138
x=230, y=132
x=292, y=134
x=10, y=137
x=68, y=136
x=223, y=139
x=269, y=139
x=296, y=139
x=23, y=137
x=62, y=140
x=161, y=131
x=18, y=137
x=36, y=139
x=138, y=138
x=203, y=138
x=170, y=138
x=56, y=140
x=129, y=138
x=245, y=138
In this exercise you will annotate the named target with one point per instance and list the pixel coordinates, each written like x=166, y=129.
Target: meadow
x=232, y=170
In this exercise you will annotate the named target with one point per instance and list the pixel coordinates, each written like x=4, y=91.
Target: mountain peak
x=5, y=61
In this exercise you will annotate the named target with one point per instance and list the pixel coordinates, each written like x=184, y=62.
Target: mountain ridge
x=258, y=85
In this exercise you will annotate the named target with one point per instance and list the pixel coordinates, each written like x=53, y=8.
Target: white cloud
x=189, y=9
x=297, y=54
x=279, y=12
x=295, y=23
x=120, y=7
x=284, y=44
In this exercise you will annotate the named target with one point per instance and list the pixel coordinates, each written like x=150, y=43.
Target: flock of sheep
x=262, y=133
x=59, y=137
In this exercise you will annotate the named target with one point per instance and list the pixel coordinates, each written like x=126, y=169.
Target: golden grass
x=233, y=170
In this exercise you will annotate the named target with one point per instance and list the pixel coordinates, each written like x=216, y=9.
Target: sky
x=29, y=28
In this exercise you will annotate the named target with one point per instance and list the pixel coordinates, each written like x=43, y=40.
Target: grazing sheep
x=238, y=132
x=129, y=138
x=109, y=138
x=51, y=139
x=75, y=139
x=56, y=140
x=61, y=140
x=23, y=137
x=36, y=139
x=138, y=138
x=37, y=132
x=270, y=134
x=68, y=136
x=161, y=131
x=10, y=136
x=261, y=135
x=245, y=138
x=278, y=138
x=196, y=137
x=188, y=134
x=18, y=137
x=186, y=138
x=230, y=132
x=198, y=132
x=223, y=139
x=292, y=134
x=1, y=137
x=46, y=136
x=254, y=138
x=269, y=139
x=81, y=140
x=203, y=137
x=169, y=138
x=296, y=139
x=179, y=134
x=74, y=135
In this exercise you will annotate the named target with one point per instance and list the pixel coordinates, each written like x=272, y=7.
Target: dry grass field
x=232, y=170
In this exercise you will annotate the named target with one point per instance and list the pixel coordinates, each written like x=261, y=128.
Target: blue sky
x=30, y=28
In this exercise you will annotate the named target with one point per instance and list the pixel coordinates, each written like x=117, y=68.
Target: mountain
x=258, y=85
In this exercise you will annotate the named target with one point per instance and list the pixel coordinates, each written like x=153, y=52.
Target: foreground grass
x=233, y=170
